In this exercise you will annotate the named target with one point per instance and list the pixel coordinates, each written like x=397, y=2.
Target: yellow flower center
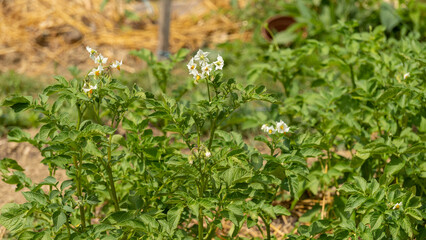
x=282, y=127
x=397, y=206
x=270, y=131
x=193, y=66
x=118, y=67
x=198, y=77
x=97, y=73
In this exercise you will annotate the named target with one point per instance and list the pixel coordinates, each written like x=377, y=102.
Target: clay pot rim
x=266, y=34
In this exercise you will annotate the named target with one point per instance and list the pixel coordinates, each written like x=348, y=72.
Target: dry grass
x=44, y=36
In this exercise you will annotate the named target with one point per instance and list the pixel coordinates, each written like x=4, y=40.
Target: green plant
x=137, y=184
x=361, y=102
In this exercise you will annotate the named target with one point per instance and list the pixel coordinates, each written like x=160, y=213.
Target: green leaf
x=27, y=235
x=225, y=135
x=269, y=210
x=94, y=128
x=394, y=166
x=66, y=184
x=35, y=197
x=416, y=148
x=319, y=226
x=388, y=16
x=173, y=218
x=92, y=149
x=18, y=103
x=311, y=214
x=376, y=220
x=49, y=181
x=422, y=127
x=361, y=182
x=285, y=37
x=13, y=217
x=236, y=209
x=119, y=216
x=62, y=81
x=132, y=224
x=129, y=125
x=280, y=210
x=415, y=213
x=233, y=174
x=99, y=228
x=354, y=201
x=149, y=220
x=17, y=135
x=388, y=94
x=348, y=188
x=7, y=163
x=59, y=220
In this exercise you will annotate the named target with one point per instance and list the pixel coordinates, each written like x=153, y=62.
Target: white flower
x=117, y=64
x=219, y=63
x=89, y=88
x=100, y=59
x=196, y=76
x=207, y=68
x=397, y=205
x=208, y=154
x=201, y=56
x=406, y=75
x=97, y=71
x=282, y=127
x=92, y=52
x=264, y=128
x=271, y=130
x=192, y=66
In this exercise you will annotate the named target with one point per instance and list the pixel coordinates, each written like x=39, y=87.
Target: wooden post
x=164, y=29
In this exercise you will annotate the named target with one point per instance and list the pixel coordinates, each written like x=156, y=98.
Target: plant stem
x=200, y=210
x=212, y=130
x=77, y=165
x=200, y=224
x=352, y=76
x=268, y=227
x=113, y=193
x=208, y=90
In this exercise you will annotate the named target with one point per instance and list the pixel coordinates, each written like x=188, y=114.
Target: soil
x=29, y=158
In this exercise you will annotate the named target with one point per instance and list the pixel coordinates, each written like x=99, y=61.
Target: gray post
x=164, y=29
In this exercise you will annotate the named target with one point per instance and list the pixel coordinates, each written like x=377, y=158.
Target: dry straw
x=38, y=36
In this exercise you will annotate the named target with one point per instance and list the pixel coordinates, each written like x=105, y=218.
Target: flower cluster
x=280, y=127
x=98, y=71
x=200, y=67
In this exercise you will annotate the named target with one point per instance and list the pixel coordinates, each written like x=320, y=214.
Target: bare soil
x=29, y=158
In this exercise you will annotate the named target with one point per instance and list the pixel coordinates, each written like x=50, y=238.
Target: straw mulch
x=46, y=36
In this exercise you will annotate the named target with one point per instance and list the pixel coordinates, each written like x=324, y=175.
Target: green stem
x=200, y=211
x=200, y=224
x=352, y=76
x=77, y=165
x=208, y=90
x=212, y=131
x=267, y=226
x=113, y=193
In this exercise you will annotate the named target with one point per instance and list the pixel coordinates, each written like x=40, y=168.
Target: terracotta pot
x=276, y=24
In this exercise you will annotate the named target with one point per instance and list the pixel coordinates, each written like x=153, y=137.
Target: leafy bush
x=126, y=182
x=363, y=102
